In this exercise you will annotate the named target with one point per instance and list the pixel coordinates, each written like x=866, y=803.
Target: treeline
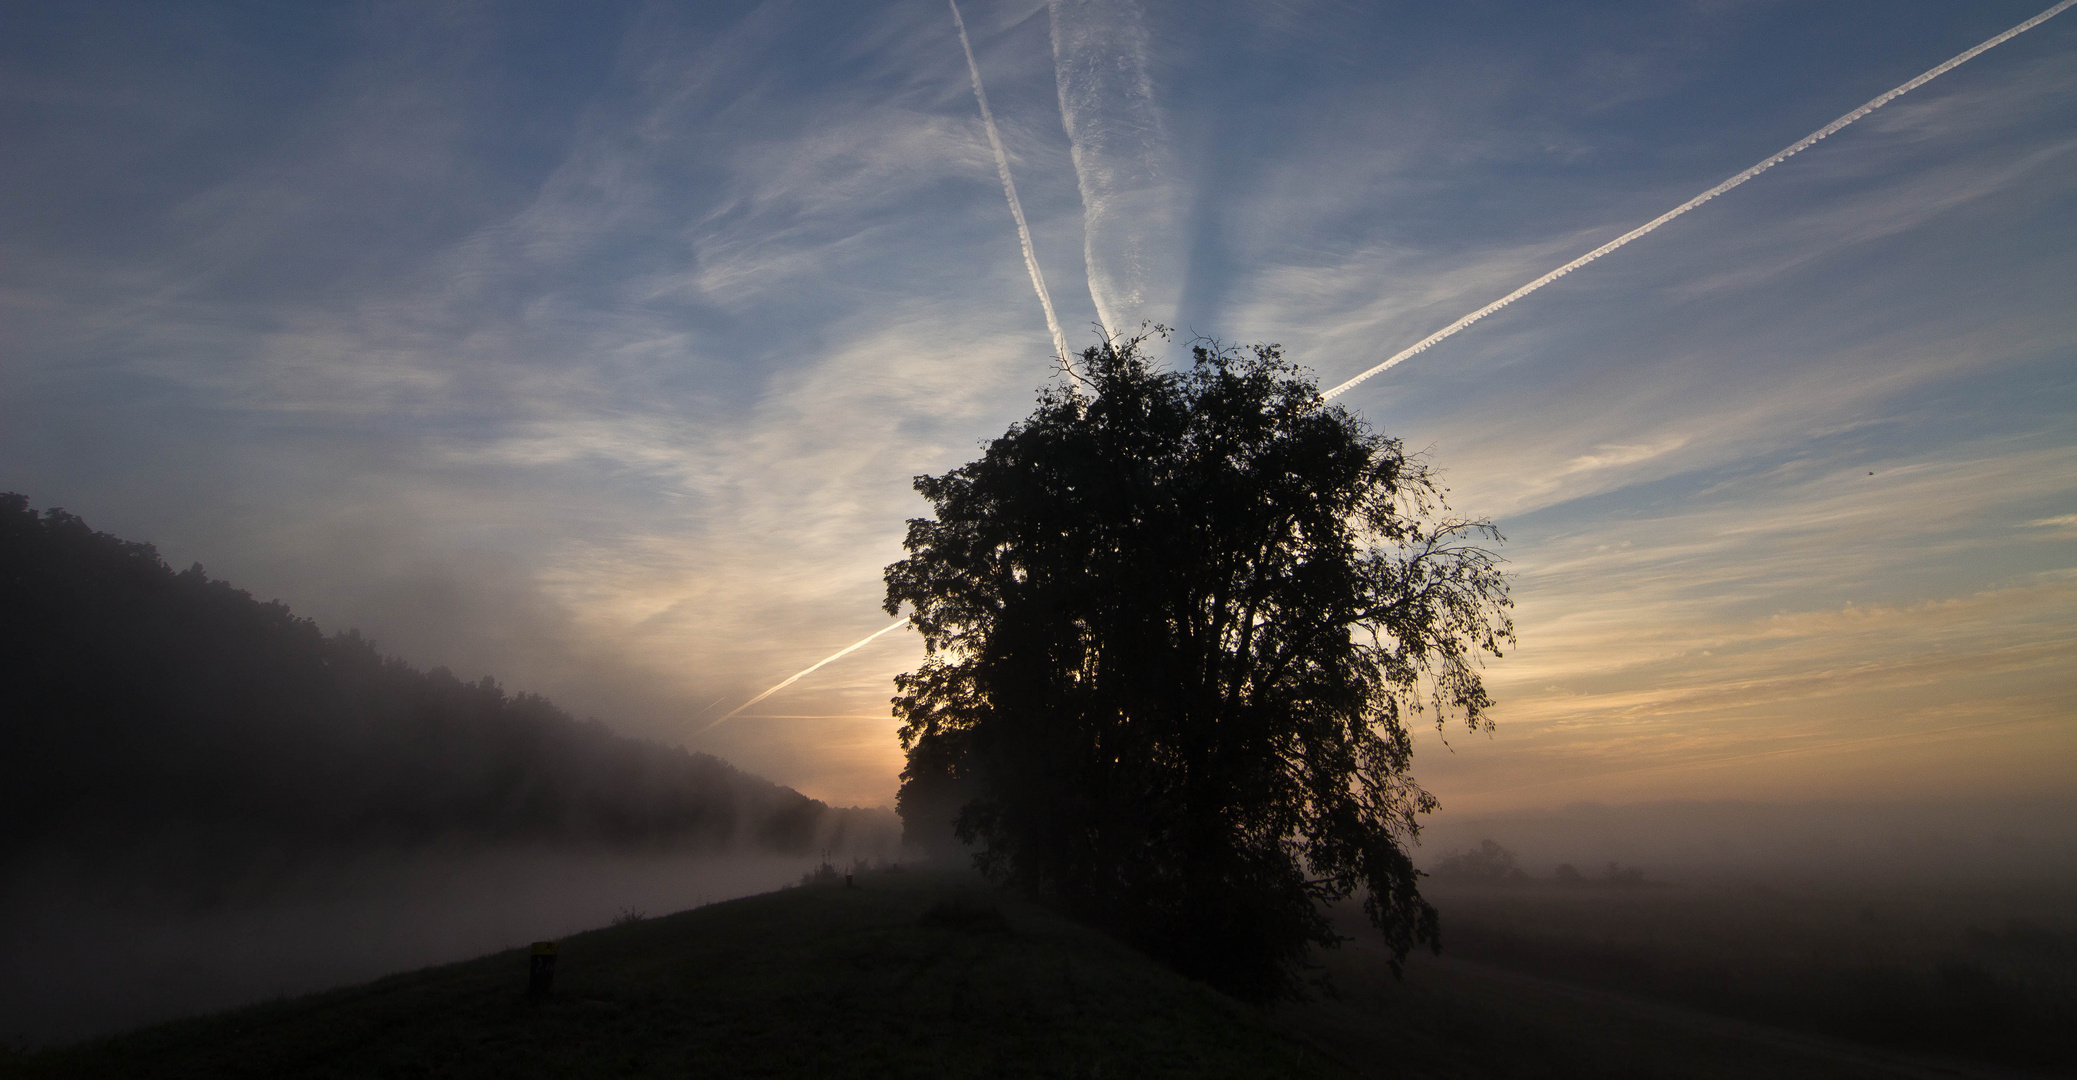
x=1491, y=864
x=140, y=702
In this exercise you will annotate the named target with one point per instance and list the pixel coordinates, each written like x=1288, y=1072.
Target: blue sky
x=593, y=346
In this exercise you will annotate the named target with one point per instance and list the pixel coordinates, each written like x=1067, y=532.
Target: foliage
x=1489, y=862
x=1177, y=623
x=145, y=704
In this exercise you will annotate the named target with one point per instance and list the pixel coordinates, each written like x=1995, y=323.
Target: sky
x=594, y=346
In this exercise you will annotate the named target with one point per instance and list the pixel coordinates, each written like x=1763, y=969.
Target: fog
x=206, y=800
x=1943, y=928
x=85, y=953
x=1959, y=843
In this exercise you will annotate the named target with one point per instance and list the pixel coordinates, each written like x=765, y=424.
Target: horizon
x=593, y=348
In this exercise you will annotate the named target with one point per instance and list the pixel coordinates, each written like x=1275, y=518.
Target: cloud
x=1796, y=612
x=600, y=360
x=1122, y=158
x=1609, y=456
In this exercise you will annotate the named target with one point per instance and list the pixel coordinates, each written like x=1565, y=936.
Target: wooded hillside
x=142, y=702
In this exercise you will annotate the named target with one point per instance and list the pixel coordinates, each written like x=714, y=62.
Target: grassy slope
x=819, y=981
x=831, y=982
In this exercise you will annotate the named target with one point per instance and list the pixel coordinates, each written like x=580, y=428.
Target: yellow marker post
x=540, y=970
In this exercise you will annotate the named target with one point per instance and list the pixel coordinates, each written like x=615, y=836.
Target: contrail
x=1114, y=134
x=1038, y=281
x=1801, y=144
x=838, y=655
x=1009, y=190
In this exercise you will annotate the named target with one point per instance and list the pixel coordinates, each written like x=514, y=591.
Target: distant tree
x=1622, y=877
x=1176, y=624
x=1489, y=862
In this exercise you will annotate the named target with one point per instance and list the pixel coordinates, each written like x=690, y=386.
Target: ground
x=909, y=973
x=903, y=974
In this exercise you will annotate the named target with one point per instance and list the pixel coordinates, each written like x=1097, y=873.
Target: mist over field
x=206, y=801
x=1944, y=929
x=1977, y=844
x=99, y=948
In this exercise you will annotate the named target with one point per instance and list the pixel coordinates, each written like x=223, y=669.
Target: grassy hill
x=934, y=975
x=905, y=974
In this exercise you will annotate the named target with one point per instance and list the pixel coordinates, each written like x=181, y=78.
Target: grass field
x=1975, y=971
x=1458, y=1020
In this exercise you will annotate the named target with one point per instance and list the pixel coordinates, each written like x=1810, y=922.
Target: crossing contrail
x=1038, y=285
x=796, y=676
x=1009, y=188
x=1799, y=145
x=1038, y=281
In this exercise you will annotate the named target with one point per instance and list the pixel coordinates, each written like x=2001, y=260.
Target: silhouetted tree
x=1623, y=877
x=1489, y=863
x=1176, y=625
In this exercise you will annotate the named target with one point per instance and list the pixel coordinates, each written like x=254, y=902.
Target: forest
x=147, y=705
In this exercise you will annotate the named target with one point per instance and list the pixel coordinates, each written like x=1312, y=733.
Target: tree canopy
x=1176, y=625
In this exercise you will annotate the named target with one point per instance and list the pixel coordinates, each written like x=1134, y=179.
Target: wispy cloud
x=1833, y=612
x=598, y=353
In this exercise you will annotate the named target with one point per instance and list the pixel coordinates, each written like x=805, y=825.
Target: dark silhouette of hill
x=144, y=704
x=919, y=974
x=905, y=974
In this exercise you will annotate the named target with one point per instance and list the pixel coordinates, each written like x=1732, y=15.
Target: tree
x=1176, y=623
x=1489, y=863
